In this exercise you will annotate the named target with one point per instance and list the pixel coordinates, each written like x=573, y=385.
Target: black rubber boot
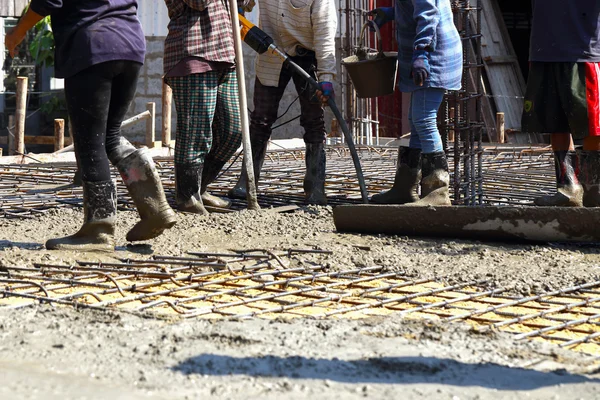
x=187, y=188
x=435, y=183
x=259, y=150
x=98, y=230
x=211, y=170
x=589, y=177
x=145, y=188
x=314, y=180
x=569, y=192
x=406, y=182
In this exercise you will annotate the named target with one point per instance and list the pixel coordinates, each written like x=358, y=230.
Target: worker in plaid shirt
x=199, y=65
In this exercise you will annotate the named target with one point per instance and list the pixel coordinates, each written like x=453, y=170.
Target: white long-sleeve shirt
x=311, y=24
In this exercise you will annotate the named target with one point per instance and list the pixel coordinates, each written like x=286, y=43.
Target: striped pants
x=208, y=116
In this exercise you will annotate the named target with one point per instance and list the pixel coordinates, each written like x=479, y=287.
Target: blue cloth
x=90, y=32
x=422, y=116
x=565, y=31
x=428, y=25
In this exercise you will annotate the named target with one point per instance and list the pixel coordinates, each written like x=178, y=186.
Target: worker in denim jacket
x=430, y=63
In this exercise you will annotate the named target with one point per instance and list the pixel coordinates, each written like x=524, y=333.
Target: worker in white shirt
x=304, y=29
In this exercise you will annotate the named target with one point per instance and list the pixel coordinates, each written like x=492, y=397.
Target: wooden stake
x=452, y=119
x=500, y=127
x=150, y=124
x=11, y=135
x=21, y=114
x=59, y=134
x=167, y=96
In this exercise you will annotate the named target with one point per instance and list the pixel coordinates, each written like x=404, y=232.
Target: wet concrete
x=521, y=224
x=63, y=353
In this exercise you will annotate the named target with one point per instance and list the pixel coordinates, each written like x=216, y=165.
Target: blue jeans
x=422, y=116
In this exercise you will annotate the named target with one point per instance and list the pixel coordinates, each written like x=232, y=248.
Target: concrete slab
x=531, y=224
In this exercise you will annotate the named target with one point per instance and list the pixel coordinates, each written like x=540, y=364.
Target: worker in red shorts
x=563, y=96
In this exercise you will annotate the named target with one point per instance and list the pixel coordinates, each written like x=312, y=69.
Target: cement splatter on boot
x=406, y=181
x=569, y=192
x=259, y=150
x=98, y=230
x=589, y=177
x=436, y=181
x=187, y=188
x=314, y=180
x=145, y=188
x=211, y=170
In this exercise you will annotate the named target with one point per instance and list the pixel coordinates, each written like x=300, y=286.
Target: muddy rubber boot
x=187, y=188
x=98, y=230
x=211, y=170
x=145, y=188
x=259, y=150
x=406, y=182
x=589, y=177
x=569, y=192
x=436, y=180
x=314, y=180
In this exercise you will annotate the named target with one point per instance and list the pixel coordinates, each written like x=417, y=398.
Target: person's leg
x=266, y=106
x=435, y=180
x=408, y=172
x=135, y=166
x=88, y=96
x=195, y=101
x=313, y=121
x=544, y=112
x=227, y=135
x=588, y=116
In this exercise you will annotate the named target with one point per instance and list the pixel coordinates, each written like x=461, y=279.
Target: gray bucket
x=373, y=72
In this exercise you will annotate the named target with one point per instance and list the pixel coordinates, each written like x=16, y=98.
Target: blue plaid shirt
x=428, y=25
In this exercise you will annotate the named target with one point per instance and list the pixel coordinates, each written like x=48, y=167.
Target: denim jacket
x=428, y=25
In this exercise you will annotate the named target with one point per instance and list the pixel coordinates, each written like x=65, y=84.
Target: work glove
x=326, y=89
x=381, y=16
x=420, y=67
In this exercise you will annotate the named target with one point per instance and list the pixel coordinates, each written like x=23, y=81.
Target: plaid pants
x=208, y=116
x=266, y=105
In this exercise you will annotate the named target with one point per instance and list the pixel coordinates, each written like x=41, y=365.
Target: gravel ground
x=72, y=354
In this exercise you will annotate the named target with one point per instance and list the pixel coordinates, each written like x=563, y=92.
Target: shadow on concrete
x=5, y=244
x=386, y=370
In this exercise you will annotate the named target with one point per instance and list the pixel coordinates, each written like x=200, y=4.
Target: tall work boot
x=98, y=230
x=406, y=182
x=314, y=180
x=569, y=191
x=589, y=177
x=145, y=188
x=211, y=170
x=436, y=180
x=259, y=150
x=187, y=188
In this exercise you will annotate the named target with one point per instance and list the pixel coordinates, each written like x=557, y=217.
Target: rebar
x=248, y=286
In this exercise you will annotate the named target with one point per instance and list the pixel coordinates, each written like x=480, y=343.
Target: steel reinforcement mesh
x=512, y=176
x=282, y=284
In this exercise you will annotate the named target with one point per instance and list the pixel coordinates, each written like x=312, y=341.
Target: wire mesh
x=513, y=176
x=274, y=284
